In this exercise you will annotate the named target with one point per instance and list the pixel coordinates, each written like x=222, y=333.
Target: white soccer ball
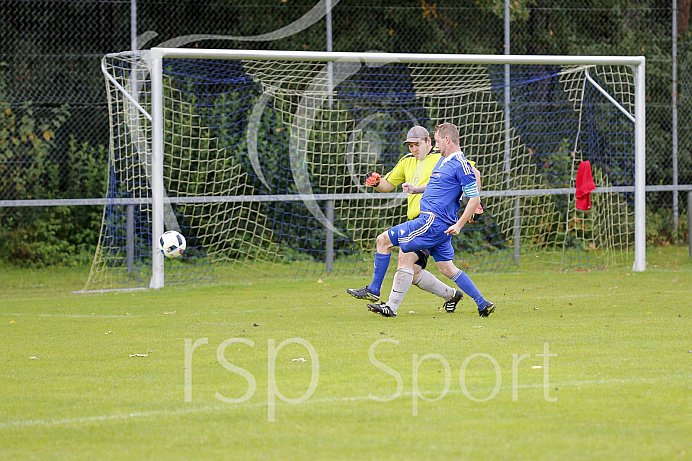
x=172, y=244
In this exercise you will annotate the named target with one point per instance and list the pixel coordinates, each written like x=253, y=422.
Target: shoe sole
x=367, y=298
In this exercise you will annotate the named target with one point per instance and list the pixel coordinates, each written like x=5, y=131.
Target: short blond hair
x=450, y=130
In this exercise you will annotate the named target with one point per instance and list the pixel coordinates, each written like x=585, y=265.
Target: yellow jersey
x=417, y=172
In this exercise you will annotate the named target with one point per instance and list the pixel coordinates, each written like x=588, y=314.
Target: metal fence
x=54, y=101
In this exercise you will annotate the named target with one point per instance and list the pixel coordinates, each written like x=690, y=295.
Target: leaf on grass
x=168, y=313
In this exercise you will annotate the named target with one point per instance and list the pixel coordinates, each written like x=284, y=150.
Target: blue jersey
x=451, y=177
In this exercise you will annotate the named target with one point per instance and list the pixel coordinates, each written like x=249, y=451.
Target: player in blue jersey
x=414, y=168
x=437, y=223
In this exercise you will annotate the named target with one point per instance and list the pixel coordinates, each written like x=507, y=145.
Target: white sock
x=402, y=281
x=431, y=284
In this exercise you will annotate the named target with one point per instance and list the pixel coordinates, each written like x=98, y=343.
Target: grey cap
x=416, y=133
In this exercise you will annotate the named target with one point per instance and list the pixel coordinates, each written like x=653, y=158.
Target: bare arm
x=384, y=186
x=412, y=189
x=468, y=211
x=479, y=209
x=478, y=177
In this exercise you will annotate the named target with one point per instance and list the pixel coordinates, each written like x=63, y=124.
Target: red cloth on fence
x=585, y=185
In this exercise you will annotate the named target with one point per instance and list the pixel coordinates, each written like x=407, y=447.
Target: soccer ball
x=172, y=244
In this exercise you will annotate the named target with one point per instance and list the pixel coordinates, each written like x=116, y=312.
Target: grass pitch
x=591, y=365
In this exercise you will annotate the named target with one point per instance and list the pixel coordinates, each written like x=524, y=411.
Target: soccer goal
x=258, y=158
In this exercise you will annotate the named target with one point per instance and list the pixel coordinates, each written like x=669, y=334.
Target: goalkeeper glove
x=372, y=179
x=476, y=214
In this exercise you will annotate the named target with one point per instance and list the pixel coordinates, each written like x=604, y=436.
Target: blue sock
x=467, y=286
x=381, y=266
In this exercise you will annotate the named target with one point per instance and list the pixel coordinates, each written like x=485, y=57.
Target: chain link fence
x=54, y=127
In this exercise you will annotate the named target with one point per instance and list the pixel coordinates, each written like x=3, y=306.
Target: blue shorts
x=426, y=232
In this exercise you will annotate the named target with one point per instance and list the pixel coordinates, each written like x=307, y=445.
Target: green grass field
x=216, y=372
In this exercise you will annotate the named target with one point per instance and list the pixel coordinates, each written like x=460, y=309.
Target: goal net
x=258, y=158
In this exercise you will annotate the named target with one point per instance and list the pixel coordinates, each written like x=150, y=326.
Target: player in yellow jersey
x=414, y=168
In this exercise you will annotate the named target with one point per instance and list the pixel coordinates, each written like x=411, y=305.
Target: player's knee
x=417, y=270
x=407, y=259
x=417, y=274
x=383, y=241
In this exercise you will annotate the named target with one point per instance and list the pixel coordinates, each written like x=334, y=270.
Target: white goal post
x=455, y=87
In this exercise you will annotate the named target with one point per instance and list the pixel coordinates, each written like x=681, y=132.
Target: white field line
x=223, y=407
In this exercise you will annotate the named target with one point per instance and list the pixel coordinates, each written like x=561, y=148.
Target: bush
x=660, y=230
x=63, y=235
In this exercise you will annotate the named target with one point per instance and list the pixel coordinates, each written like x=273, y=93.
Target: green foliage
x=41, y=236
x=660, y=229
x=25, y=144
x=31, y=167
x=519, y=10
